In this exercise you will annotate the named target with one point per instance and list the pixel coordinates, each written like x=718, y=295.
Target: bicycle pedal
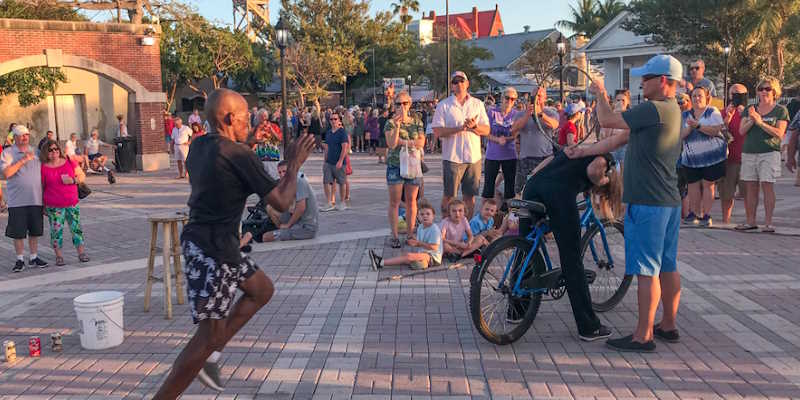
x=590, y=276
x=546, y=280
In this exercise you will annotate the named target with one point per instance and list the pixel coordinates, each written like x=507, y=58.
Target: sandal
x=395, y=243
x=745, y=227
x=768, y=229
x=60, y=261
x=83, y=257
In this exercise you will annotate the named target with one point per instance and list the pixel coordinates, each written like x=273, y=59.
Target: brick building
x=112, y=69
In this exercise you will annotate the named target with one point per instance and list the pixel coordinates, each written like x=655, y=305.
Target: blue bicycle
x=514, y=271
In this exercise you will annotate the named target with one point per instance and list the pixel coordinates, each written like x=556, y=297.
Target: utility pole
x=447, y=29
x=374, y=99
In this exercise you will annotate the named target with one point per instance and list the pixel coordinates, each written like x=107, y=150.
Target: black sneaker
x=601, y=333
x=374, y=260
x=627, y=344
x=38, y=262
x=209, y=376
x=667, y=336
x=111, y=179
x=19, y=266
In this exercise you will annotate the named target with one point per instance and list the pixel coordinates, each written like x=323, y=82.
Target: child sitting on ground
x=482, y=225
x=457, y=237
x=429, y=241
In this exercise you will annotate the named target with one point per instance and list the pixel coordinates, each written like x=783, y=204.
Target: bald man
x=223, y=172
x=737, y=100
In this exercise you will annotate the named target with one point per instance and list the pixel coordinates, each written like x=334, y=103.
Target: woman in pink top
x=60, y=196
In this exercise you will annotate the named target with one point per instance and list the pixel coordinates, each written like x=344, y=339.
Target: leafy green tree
x=402, y=8
x=538, y=61
x=38, y=9
x=758, y=32
x=331, y=40
x=589, y=16
x=433, y=64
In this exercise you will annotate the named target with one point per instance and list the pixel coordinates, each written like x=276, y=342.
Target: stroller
x=257, y=221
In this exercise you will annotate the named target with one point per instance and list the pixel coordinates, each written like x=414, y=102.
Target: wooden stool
x=169, y=224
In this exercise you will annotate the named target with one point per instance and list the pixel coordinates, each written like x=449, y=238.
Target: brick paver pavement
x=337, y=330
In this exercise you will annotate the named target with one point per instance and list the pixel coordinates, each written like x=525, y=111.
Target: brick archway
x=117, y=52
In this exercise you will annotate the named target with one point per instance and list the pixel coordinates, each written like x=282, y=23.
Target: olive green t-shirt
x=654, y=146
x=757, y=140
x=408, y=131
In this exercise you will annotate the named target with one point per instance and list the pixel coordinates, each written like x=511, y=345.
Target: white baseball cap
x=20, y=130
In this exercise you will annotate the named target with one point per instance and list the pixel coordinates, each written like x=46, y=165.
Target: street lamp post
x=561, y=46
x=447, y=29
x=282, y=40
x=727, y=51
x=409, y=88
x=374, y=99
x=344, y=90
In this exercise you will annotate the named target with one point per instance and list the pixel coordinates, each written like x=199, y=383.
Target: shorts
x=727, y=186
x=24, y=221
x=431, y=263
x=393, y=177
x=651, y=239
x=331, y=174
x=181, y=152
x=382, y=141
x=468, y=176
x=168, y=138
x=211, y=288
x=711, y=173
x=761, y=167
x=93, y=156
x=524, y=167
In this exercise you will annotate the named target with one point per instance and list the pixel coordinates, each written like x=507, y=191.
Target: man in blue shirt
x=336, y=146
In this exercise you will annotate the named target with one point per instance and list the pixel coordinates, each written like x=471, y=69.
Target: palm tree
x=583, y=18
x=773, y=26
x=607, y=10
x=402, y=7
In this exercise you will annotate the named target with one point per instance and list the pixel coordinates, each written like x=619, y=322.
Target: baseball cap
x=459, y=74
x=20, y=130
x=663, y=64
x=573, y=108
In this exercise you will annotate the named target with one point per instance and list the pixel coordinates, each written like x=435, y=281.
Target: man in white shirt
x=459, y=121
x=181, y=134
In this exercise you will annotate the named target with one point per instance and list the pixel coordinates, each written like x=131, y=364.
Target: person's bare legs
x=648, y=294
x=213, y=335
x=407, y=259
x=395, y=193
x=411, y=208
x=695, y=199
x=670, y=299
x=469, y=206
x=343, y=191
x=476, y=244
x=180, y=168
x=707, y=199
x=750, y=201
x=446, y=202
x=768, y=189
x=19, y=246
x=33, y=244
x=328, y=187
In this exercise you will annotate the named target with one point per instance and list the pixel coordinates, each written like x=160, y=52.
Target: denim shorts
x=651, y=239
x=393, y=177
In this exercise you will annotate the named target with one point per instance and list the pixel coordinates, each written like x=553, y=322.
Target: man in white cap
x=21, y=166
x=459, y=121
x=652, y=221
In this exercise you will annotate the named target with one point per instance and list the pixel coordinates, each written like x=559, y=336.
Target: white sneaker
x=341, y=206
x=328, y=207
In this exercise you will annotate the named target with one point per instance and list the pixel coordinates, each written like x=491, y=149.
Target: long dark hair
x=608, y=198
x=44, y=152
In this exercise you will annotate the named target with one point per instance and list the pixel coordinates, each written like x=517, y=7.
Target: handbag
x=83, y=190
x=410, y=163
x=348, y=169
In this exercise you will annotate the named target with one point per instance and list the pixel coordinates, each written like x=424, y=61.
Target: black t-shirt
x=793, y=107
x=316, y=126
x=222, y=174
x=563, y=176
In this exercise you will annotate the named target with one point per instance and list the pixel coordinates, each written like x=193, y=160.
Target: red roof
x=488, y=23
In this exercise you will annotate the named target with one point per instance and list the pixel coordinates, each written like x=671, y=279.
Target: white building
x=423, y=30
x=619, y=50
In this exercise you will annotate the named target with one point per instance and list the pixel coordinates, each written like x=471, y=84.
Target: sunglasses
x=765, y=89
x=510, y=98
x=693, y=68
x=402, y=103
x=54, y=149
x=334, y=119
x=457, y=81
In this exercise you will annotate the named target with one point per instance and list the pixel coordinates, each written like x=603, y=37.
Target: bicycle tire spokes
x=605, y=260
x=495, y=293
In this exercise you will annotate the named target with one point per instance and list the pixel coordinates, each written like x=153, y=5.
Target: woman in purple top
x=501, y=151
x=373, y=130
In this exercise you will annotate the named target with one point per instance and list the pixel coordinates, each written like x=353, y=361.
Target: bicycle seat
x=534, y=207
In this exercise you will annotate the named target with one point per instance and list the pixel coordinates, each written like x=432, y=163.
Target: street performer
x=223, y=172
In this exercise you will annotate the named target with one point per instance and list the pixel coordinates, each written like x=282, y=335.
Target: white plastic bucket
x=100, y=319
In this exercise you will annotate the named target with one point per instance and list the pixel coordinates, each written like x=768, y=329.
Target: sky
x=539, y=14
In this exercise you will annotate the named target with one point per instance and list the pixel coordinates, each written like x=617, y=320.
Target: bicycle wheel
x=609, y=283
x=491, y=302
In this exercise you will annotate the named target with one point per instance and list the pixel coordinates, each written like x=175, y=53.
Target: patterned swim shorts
x=211, y=288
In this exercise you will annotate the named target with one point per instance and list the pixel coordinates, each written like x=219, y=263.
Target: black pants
x=509, y=175
x=565, y=224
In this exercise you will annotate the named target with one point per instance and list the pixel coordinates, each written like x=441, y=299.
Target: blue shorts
x=651, y=239
x=393, y=177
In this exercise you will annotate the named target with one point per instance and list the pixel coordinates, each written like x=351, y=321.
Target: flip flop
x=768, y=229
x=745, y=227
